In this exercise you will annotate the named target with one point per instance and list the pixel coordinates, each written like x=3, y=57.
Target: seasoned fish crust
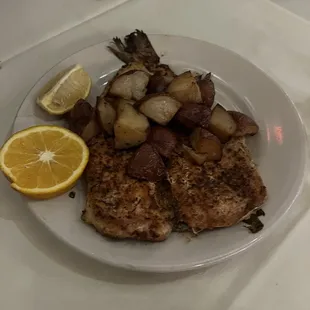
x=119, y=206
x=217, y=194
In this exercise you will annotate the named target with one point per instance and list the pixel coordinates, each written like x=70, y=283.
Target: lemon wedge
x=43, y=161
x=61, y=93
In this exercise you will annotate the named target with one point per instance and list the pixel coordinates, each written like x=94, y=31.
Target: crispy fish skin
x=119, y=206
x=217, y=194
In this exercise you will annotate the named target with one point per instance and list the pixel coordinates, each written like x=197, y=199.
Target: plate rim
x=209, y=261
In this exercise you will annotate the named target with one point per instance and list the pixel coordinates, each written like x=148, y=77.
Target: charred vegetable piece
x=106, y=115
x=162, y=77
x=205, y=142
x=192, y=115
x=82, y=120
x=147, y=164
x=163, y=140
x=222, y=124
x=194, y=157
x=253, y=223
x=185, y=88
x=160, y=108
x=130, y=128
x=245, y=124
x=207, y=89
x=136, y=47
x=180, y=227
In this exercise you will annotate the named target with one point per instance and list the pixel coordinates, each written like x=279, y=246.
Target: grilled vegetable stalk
x=189, y=87
x=135, y=48
x=82, y=120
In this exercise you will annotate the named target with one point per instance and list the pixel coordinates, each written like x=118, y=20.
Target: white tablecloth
x=39, y=272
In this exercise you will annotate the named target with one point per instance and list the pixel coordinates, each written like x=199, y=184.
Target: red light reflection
x=278, y=132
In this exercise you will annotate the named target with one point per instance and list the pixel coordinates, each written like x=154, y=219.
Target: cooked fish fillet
x=119, y=206
x=217, y=194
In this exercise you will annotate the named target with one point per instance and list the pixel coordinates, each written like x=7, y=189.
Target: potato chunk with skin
x=185, y=88
x=245, y=124
x=160, y=108
x=130, y=128
x=106, y=115
x=131, y=85
x=207, y=89
x=82, y=120
x=205, y=142
x=222, y=124
x=192, y=115
x=194, y=157
x=163, y=140
x=146, y=164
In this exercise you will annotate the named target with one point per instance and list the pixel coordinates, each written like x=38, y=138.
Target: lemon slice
x=61, y=93
x=43, y=161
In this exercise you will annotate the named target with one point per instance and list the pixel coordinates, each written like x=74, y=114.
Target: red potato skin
x=246, y=126
x=207, y=90
x=192, y=115
x=82, y=120
x=161, y=78
x=205, y=142
x=163, y=140
x=147, y=164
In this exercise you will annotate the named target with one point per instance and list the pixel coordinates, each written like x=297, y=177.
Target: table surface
x=39, y=272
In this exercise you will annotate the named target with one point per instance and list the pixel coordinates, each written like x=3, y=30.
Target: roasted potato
x=207, y=89
x=161, y=108
x=82, y=120
x=133, y=66
x=194, y=157
x=146, y=164
x=163, y=140
x=106, y=115
x=245, y=124
x=192, y=115
x=205, y=142
x=193, y=88
x=130, y=82
x=162, y=77
x=130, y=127
x=185, y=88
x=131, y=85
x=222, y=124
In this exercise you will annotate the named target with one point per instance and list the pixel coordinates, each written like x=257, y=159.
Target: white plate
x=279, y=150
